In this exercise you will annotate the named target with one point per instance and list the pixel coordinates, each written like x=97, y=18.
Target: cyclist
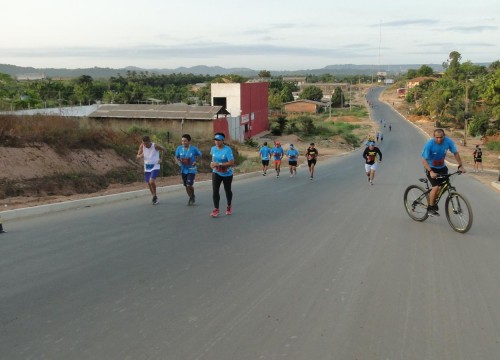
x=370, y=156
x=433, y=159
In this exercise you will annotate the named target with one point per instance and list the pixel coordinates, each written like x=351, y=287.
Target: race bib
x=438, y=162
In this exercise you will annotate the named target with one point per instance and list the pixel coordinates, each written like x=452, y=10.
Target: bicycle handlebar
x=447, y=176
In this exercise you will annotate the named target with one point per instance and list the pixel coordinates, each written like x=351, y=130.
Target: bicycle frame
x=445, y=186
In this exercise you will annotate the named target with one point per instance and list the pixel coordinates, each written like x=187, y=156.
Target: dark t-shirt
x=371, y=155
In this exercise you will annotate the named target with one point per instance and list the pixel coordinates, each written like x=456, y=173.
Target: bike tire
x=416, y=200
x=458, y=212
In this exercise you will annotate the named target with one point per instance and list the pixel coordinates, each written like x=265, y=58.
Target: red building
x=248, y=106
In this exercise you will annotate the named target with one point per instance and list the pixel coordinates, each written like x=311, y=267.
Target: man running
x=370, y=156
x=278, y=153
x=265, y=156
x=433, y=159
x=311, y=156
x=292, y=154
x=187, y=157
x=151, y=154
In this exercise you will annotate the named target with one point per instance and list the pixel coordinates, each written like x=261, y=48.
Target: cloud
x=199, y=50
x=400, y=23
x=472, y=29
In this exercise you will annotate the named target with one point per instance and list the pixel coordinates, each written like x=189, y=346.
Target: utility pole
x=350, y=97
x=466, y=113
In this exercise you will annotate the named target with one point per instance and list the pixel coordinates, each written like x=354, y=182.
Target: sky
x=257, y=34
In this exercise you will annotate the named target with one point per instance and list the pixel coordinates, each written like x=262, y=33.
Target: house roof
x=148, y=111
x=317, y=103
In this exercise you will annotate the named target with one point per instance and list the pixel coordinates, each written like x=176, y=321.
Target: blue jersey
x=277, y=152
x=435, y=153
x=265, y=153
x=187, y=156
x=292, y=154
x=221, y=156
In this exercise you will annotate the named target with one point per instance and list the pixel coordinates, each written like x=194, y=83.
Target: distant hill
x=104, y=73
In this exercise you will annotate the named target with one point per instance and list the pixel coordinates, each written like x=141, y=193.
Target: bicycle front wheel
x=458, y=212
x=416, y=201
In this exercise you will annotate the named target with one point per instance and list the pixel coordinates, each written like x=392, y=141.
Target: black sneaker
x=191, y=200
x=432, y=210
x=155, y=200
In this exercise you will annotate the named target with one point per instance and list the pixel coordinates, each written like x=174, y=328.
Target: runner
x=478, y=158
x=151, y=154
x=187, y=157
x=370, y=156
x=265, y=156
x=222, y=165
x=311, y=156
x=292, y=154
x=278, y=153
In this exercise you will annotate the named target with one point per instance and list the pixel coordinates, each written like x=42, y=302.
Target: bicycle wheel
x=458, y=212
x=416, y=200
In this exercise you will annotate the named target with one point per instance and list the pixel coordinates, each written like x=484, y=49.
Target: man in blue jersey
x=277, y=152
x=265, y=156
x=292, y=154
x=187, y=156
x=433, y=159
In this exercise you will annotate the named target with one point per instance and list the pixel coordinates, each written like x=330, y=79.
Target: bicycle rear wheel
x=458, y=212
x=416, y=201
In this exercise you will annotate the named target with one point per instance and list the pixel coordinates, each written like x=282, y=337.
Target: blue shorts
x=188, y=179
x=148, y=175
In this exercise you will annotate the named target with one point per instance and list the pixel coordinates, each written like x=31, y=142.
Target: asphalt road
x=325, y=269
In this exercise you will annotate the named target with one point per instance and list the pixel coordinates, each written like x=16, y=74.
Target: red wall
x=221, y=125
x=254, y=99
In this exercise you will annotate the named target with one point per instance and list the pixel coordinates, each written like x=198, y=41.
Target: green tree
x=264, y=74
x=311, y=93
x=425, y=70
x=337, y=97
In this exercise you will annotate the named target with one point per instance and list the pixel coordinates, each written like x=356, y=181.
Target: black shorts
x=311, y=162
x=292, y=163
x=478, y=160
x=265, y=162
x=188, y=179
x=436, y=182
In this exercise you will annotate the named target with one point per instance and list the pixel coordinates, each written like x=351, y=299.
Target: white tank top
x=151, y=158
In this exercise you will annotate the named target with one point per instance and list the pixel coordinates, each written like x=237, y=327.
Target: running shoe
x=155, y=200
x=191, y=200
x=432, y=210
x=229, y=210
x=214, y=213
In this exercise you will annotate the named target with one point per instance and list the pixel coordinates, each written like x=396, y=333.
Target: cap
x=371, y=143
x=291, y=145
x=277, y=143
x=219, y=137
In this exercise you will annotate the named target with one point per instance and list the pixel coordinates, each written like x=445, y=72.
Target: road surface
x=325, y=269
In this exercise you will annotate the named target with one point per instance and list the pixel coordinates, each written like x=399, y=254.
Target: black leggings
x=216, y=181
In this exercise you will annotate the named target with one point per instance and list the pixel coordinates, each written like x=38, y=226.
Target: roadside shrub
x=493, y=145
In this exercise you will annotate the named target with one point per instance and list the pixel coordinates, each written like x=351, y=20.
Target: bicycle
x=457, y=207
